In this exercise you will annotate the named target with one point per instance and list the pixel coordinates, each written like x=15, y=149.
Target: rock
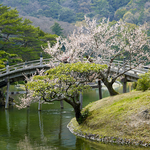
x=106, y=139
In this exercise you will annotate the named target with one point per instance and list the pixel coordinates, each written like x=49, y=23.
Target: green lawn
x=125, y=116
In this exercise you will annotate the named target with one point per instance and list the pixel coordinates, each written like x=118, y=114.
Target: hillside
x=70, y=11
x=117, y=119
x=45, y=23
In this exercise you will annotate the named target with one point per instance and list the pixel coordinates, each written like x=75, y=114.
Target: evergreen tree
x=56, y=29
x=21, y=37
x=9, y=26
x=6, y=57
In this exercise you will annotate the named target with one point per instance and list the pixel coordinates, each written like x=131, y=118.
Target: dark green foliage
x=56, y=11
x=70, y=10
x=67, y=15
x=20, y=36
x=101, y=7
x=118, y=3
x=6, y=57
x=84, y=115
x=59, y=2
x=21, y=82
x=79, y=16
x=119, y=13
x=141, y=1
x=140, y=19
x=53, y=11
x=107, y=8
x=56, y=29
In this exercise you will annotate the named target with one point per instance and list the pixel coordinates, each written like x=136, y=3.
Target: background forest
x=67, y=13
x=133, y=11
x=35, y=19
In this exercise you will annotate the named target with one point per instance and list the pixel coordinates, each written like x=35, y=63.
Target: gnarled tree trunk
x=76, y=105
x=110, y=88
x=78, y=114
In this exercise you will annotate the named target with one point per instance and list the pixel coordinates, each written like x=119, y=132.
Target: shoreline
x=106, y=139
x=123, y=119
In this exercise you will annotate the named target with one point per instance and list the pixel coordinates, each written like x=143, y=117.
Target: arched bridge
x=15, y=73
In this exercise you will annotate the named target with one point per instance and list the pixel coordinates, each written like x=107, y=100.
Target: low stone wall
x=106, y=139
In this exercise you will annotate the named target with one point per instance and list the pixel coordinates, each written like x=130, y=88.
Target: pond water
x=30, y=129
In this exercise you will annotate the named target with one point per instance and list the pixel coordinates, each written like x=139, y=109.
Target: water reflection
x=26, y=145
x=41, y=125
x=60, y=126
x=83, y=144
x=7, y=121
x=30, y=129
x=28, y=122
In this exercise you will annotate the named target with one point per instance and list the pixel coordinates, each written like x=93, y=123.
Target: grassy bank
x=125, y=116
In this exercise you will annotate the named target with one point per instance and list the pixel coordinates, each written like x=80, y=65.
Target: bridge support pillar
x=41, y=59
x=61, y=105
x=100, y=89
x=81, y=100
x=7, y=96
x=125, y=85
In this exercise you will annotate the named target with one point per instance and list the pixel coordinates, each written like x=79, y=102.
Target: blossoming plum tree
x=83, y=52
x=104, y=43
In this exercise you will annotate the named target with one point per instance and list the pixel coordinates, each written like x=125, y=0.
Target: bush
x=84, y=115
x=143, y=83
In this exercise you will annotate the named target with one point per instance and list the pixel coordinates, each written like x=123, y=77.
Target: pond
x=30, y=129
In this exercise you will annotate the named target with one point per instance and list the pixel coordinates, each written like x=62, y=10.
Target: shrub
x=144, y=82
x=84, y=115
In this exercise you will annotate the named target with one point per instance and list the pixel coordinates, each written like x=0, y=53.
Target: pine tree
x=56, y=29
x=20, y=36
x=10, y=58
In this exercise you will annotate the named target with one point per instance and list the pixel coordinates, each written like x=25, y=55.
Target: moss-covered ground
x=124, y=116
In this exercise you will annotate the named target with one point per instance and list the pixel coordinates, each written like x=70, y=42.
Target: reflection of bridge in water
x=15, y=73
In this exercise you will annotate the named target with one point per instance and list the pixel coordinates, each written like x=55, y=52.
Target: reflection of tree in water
x=30, y=143
x=28, y=122
x=60, y=127
x=41, y=125
x=7, y=122
x=26, y=145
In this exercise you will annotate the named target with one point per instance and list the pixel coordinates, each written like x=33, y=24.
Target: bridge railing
x=41, y=61
x=26, y=64
x=123, y=66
